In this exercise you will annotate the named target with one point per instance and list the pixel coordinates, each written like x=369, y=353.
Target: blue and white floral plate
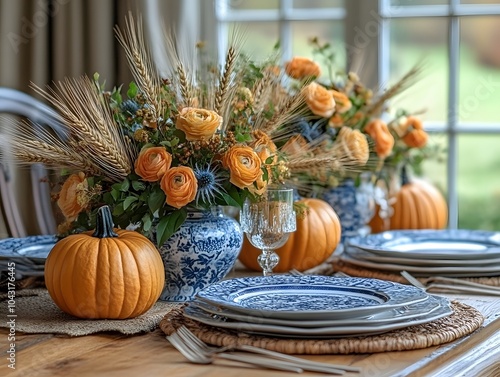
x=310, y=297
x=381, y=318
x=432, y=244
x=32, y=248
x=443, y=309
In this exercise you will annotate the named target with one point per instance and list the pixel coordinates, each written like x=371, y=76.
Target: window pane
x=435, y=166
x=478, y=182
x=252, y=4
x=413, y=3
x=327, y=32
x=495, y=2
x=414, y=40
x=318, y=3
x=479, y=69
x=259, y=38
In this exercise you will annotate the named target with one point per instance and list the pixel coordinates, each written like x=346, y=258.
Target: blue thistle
x=209, y=184
x=130, y=107
x=309, y=130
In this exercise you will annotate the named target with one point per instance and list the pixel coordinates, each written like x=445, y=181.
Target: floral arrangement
x=341, y=108
x=197, y=139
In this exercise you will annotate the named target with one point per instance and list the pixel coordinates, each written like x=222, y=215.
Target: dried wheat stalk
x=141, y=62
x=29, y=146
x=93, y=132
x=406, y=81
x=287, y=108
x=263, y=91
x=221, y=93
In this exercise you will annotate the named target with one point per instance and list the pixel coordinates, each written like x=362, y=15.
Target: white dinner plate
x=309, y=297
x=432, y=244
x=367, y=255
x=368, y=328
x=384, y=317
x=470, y=271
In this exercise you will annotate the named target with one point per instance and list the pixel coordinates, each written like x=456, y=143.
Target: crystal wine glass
x=268, y=222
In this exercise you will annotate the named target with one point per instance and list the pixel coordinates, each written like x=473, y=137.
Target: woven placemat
x=36, y=313
x=464, y=320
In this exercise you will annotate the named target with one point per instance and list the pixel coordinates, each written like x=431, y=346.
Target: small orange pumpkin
x=316, y=237
x=107, y=274
x=417, y=205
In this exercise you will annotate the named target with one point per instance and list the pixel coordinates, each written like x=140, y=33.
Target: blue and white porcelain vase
x=354, y=206
x=202, y=252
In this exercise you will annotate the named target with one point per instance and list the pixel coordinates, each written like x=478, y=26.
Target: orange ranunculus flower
x=384, y=141
x=355, y=145
x=413, y=132
x=259, y=186
x=295, y=145
x=152, y=163
x=244, y=165
x=336, y=121
x=263, y=145
x=413, y=123
x=273, y=70
x=319, y=100
x=198, y=123
x=416, y=138
x=72, y=196
x=300, y=68
x=342, y=101
x=179, y=185
x=261, y=138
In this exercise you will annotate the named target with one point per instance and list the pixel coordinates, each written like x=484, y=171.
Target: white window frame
x=373, y=19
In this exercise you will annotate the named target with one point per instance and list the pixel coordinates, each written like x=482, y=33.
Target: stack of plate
x=452, y=253
x=313, y=306
x=25, y=256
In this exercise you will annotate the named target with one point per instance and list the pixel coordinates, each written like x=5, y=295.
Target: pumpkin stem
x=404, y=176
x=104, y=223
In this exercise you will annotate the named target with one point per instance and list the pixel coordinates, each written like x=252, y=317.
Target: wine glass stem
x=268, y=260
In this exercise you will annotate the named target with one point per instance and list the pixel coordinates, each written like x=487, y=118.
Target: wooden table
x=109, y=355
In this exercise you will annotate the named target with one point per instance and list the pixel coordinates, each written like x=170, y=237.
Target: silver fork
x=454, y=286
x=200, y=358
x=308, y=365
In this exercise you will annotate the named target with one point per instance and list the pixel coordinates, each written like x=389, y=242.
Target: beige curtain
x=46, y=40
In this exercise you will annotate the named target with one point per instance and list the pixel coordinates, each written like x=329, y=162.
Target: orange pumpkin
x=316, y=237
x=108, y=274
x=417, y=205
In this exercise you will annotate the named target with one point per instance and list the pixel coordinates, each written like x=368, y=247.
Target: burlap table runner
x=463, y=321
x=37, y=313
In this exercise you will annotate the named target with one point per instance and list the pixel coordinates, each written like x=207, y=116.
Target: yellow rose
x=152, y=163
x=244, y=165
x=355, y=145
x=70, y=198
x=384, y=141
x=319, y=100
x=198, y=123
x=343, y=103
x=179, y=185
x=300, y=67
